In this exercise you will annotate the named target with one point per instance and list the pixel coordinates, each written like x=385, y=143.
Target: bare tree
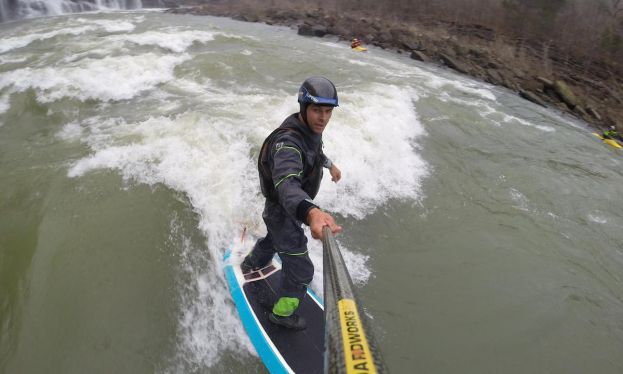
x=616, y=8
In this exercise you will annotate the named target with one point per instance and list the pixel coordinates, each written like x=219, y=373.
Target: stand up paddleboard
x=282, y=350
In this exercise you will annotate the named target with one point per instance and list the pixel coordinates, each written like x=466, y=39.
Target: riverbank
x=539, y=73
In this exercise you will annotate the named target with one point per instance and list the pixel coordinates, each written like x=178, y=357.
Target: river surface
x=484, y=233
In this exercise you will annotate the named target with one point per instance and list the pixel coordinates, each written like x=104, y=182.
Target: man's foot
x=294, y=321
x=266, y=298
x=247, y=266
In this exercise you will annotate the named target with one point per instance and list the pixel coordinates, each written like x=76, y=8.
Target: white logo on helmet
x=305, y=95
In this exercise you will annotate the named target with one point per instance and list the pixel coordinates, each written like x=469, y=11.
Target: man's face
x=318, y=117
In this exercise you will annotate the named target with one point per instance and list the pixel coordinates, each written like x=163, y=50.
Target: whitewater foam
x=597, y=218
x=381, y=123
x=357, y=62
x=12, y=59
x=509, y=119
x=8, y=44
x=109, y=78
x=520, y=199
x=110, y=25
x=71, y=132
x=172, y=39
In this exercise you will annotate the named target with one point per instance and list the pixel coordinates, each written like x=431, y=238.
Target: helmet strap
x=303, y=112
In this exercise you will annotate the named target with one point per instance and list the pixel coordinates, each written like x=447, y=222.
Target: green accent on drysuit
x=288, y=176
x=611, y=134
x=292, y=148
x=293, y=254
x=285, y=306
x=293, y=174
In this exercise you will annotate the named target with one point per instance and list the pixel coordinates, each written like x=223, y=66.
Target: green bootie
x=283, y=314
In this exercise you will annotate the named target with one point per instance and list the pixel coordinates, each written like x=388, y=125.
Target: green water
x=483, y=233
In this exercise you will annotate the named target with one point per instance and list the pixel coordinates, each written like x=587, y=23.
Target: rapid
x=483, y=233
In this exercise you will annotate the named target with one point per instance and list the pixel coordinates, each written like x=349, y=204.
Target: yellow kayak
x=360, y=49
x=610, y=142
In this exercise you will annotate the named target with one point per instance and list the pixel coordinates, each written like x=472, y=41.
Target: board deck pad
x=302, y=350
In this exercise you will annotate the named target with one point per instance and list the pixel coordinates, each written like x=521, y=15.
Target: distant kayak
x=360, y=49
x=610, y=142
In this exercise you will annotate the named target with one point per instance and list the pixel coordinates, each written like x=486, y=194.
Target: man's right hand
x=317, y=219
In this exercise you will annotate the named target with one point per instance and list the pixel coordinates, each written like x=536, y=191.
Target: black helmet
x=316, y=90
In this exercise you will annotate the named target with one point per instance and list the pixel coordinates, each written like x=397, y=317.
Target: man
x=611, y=133
x=290, y=165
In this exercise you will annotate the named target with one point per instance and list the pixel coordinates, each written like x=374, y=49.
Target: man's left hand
x=336, y=173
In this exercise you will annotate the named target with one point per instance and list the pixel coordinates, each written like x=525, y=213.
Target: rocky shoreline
x=538, y=73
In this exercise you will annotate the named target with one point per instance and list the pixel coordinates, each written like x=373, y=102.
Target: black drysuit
x=295, y=161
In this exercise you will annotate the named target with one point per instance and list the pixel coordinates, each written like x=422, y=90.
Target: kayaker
x=611, y=133
x=355, y=43
x=290, y=166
